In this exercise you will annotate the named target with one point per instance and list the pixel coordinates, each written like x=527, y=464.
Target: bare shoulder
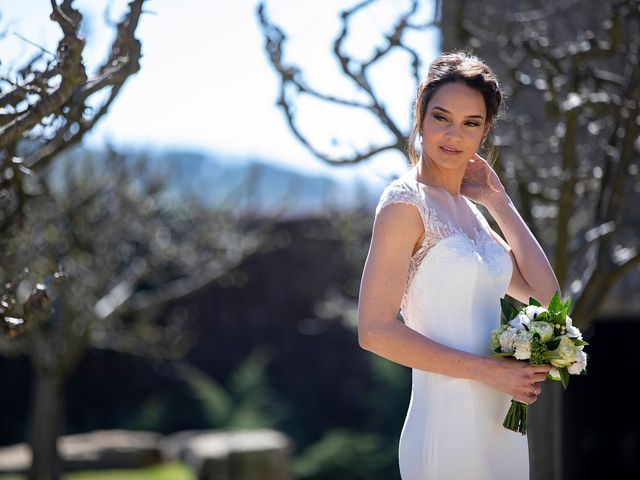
x=397, y=224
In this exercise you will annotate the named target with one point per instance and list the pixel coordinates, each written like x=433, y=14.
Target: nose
x=453, y=132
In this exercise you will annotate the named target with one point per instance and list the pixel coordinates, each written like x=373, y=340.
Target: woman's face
x=453, y=125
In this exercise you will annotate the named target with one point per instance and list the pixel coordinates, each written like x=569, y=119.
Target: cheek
x=475, y=134
x=431, y=131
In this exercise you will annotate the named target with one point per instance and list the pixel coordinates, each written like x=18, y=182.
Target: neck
x=435, y=178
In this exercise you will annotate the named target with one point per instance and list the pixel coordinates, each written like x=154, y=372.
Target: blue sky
x=206, y=82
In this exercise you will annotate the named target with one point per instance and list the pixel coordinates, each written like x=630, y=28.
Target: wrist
x=498, y=204
x=479, y=373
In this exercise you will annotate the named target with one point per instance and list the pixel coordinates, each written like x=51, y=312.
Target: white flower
x=532, y=311
x=580, y=362
x=542, y=328
x=554, y=373
x=520, y=321
x=495, y=337
x=522, y=345
x=572, y=332
x=565, y=353
x=506, y=339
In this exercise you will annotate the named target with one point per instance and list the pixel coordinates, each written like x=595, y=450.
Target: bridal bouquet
x=539, y=335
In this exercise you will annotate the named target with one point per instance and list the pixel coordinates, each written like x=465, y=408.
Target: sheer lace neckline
x=444, y=217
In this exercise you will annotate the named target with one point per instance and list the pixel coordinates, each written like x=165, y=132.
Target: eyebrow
x=447, y=111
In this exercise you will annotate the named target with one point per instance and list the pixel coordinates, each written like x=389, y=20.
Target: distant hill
x=247, y=185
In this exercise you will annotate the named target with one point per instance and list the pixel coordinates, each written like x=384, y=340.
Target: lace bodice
x=456, y=241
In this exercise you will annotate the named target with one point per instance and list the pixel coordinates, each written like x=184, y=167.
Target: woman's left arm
x=532, y=274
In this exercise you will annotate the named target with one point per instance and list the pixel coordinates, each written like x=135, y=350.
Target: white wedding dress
x=453, y=428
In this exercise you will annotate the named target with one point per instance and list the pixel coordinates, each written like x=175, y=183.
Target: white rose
x=522, y=345
x=542, y=328
x=532, y=311
x=495, y=337
x=506, y=339
x=580, y=362
x=520, y=321
x=565, y=353
x=572, y=332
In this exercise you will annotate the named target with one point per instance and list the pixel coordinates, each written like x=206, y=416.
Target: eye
x=473, y=124
x=439, y=117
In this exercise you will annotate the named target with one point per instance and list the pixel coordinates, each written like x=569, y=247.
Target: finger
x=533, y=389
x=542, y=368
x=527, y=398
x=538, y=377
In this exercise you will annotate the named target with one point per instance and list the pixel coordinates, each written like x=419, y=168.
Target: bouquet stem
x=516, y=418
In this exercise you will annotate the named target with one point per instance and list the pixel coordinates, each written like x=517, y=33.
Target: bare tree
x=127, y=251
x=574, y=180
x=53, y=99
x=46, y=108
x=43, y=111
x=91, y=250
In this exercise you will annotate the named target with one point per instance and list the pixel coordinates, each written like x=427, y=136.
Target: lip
x=449, y=152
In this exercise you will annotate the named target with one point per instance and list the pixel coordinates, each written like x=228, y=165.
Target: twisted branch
x=353, y=69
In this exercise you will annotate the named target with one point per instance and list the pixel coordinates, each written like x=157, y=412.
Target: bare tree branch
x=62, y=109
x=353, y=69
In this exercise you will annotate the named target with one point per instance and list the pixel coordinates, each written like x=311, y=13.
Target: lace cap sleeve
x=401, y=192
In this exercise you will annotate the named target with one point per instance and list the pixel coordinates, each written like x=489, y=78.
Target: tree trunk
x=45, y=416
x=544, y=429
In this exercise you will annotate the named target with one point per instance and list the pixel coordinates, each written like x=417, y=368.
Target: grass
x=165, y=471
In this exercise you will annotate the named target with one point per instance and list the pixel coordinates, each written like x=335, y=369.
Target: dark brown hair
x=467, y=69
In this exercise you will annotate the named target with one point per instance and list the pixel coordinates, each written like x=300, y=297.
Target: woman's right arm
x=396, y=230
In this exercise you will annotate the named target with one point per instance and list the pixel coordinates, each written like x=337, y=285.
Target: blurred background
x=187, y=192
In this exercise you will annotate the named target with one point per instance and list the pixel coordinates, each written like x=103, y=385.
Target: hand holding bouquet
x=539, y=335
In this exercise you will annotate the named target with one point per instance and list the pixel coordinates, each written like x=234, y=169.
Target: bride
x=434, y=258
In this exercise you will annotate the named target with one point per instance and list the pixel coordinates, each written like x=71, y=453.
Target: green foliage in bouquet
x=541, y=336
x=555, y=350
